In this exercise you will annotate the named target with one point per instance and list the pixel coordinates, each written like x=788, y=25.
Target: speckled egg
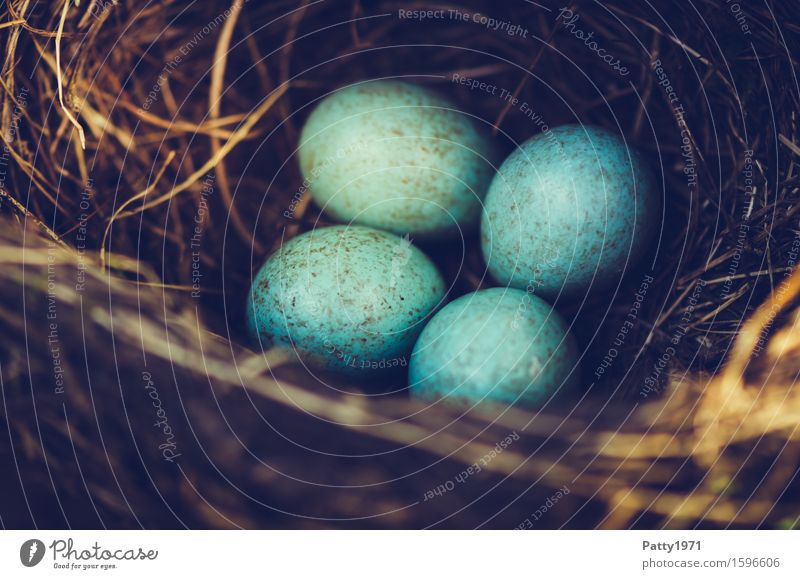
x=569, y=210
x=348, y=299
x=396, y=156
x=501, y=345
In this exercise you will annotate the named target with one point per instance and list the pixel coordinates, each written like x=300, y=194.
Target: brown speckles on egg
x=344, y=293
x=482, y=346
x=396, y=156
x=568, y=209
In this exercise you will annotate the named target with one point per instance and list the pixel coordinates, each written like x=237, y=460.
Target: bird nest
x=148, y=168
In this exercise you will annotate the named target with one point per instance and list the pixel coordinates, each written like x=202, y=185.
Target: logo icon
x=32, y=552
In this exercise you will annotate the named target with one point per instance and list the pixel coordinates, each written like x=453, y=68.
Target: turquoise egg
x=396, y=156
x=348, y=299
x=501, y=344
x=569, y=210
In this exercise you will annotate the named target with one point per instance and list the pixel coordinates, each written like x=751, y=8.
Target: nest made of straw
x=129, y=401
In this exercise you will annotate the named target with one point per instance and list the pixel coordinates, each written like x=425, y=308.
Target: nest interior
x=149, y=168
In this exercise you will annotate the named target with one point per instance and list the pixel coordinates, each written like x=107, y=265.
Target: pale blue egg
x=569, y=210
x=396, y=156
x=496, y=345
x=347, y=299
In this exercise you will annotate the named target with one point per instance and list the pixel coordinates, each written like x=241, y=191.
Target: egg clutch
x=567, y=212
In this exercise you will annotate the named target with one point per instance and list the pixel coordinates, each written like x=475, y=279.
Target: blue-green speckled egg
x=570, y=209
x=396, y=156
x=501, y=344
x=348, y=299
